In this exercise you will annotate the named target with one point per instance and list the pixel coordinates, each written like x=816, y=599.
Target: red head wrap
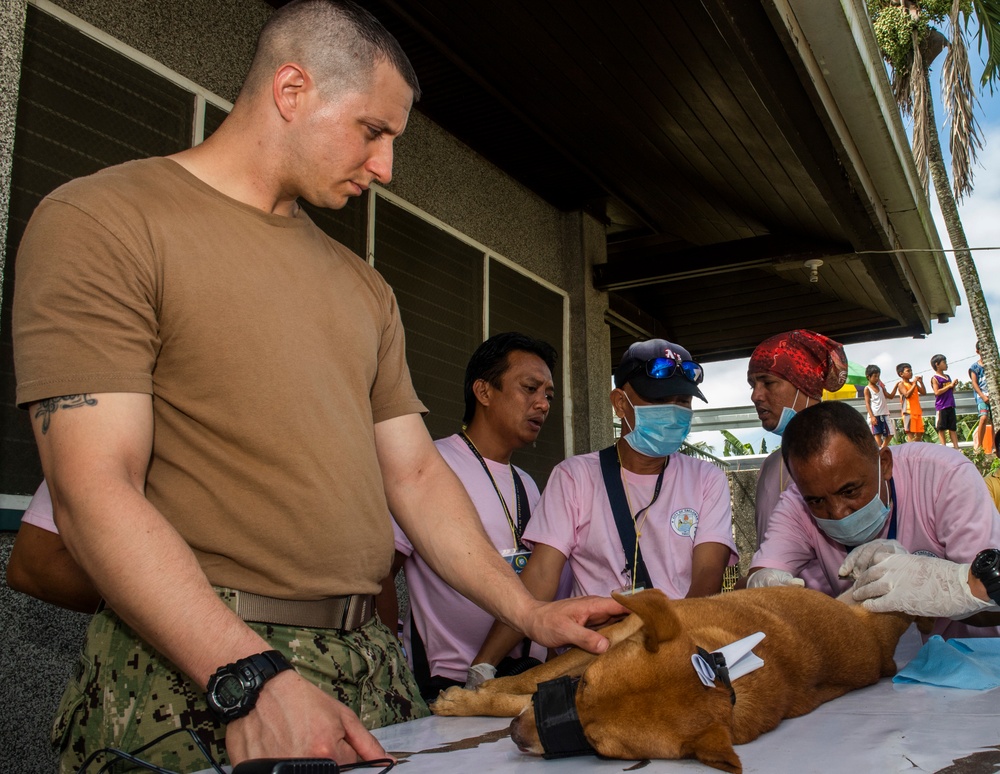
x=810, y=361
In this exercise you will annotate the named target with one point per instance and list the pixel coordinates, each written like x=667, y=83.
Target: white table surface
x=881, y=728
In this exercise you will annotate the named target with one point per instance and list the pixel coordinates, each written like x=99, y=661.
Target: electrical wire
x=387, y=764
x=132, y=757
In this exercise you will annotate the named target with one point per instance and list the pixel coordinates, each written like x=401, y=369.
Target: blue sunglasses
x=667, y=367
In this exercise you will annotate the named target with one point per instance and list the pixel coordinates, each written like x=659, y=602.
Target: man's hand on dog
x=867, y=555
x=566, y=622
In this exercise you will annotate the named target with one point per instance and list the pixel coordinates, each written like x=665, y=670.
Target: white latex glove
x=918, y=585
x=867, y=554
x=768, y=576
x=479, y=674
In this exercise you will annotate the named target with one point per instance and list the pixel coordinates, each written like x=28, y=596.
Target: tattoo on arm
x=46, y=408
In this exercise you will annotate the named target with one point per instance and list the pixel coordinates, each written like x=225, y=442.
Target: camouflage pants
x=124, y=694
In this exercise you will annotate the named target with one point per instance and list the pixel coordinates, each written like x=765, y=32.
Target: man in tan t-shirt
x=224, y=415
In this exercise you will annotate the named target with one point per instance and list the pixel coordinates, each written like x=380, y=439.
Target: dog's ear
x=715, y=748
x=659, y=622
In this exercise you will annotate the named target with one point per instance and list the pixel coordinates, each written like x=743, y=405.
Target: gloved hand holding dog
x=868, y=554
x=918, y=585
x=768, y=576
x=478, y=674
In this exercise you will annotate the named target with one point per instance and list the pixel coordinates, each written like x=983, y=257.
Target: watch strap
x=252, y=672
x=269, y=663
x=986, y=568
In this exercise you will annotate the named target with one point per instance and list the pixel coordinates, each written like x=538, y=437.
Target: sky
x=725, y=381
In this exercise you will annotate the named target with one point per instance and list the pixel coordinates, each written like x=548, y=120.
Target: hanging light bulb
x=813, y=265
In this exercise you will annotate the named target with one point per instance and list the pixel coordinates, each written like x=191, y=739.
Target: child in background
x=944, y=400
x=977, y=373
x=877, y=403
x=910, y=390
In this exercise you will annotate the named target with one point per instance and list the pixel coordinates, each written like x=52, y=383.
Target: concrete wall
x=211, y=42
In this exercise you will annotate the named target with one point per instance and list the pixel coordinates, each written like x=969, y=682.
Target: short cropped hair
x=812, y=429
x=872, y=370
x=490, y=362
x=902, y=367
x=338, y=41
x=937, y=359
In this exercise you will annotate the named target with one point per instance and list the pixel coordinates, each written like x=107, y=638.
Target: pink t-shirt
x=39, y=510
x=574, y=517
x=451, y=627
x=943, y=509
x=772, y=480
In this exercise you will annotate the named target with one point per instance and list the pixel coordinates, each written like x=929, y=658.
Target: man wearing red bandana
x=787, y=373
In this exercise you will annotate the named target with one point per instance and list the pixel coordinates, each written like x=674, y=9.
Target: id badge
x=627, y=591
x=516, y=558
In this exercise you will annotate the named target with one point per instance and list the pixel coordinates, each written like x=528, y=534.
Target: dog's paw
x=452, y=701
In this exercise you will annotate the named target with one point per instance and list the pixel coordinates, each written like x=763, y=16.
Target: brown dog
x=643, y=699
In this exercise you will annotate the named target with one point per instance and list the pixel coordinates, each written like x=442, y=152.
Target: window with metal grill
x=438, y=279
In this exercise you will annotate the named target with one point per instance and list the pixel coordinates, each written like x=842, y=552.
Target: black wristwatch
x=233, y=689
x=986, y=569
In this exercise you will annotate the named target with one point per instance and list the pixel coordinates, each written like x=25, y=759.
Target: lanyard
x=892, y=518
x=656, y=493
x=516, y=529
x=611, y=470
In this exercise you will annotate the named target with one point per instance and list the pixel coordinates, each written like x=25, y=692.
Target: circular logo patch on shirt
x=924, y=552
x=684, y=522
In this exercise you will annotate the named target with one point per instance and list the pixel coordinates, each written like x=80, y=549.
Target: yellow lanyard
x=503, y=503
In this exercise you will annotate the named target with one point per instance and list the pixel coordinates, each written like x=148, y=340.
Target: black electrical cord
x=387, y=764
x=132, y=757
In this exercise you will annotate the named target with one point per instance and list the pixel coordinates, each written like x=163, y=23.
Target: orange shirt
x=911, y=404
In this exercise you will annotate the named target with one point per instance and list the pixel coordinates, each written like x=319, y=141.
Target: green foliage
x=965, y=423
x=697, y=449
x=894, y=25
x=985, y=463
x=734, y=447
x=894, y=32
x=988, y=34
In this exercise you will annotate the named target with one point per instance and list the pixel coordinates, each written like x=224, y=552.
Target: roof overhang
x=723, y=143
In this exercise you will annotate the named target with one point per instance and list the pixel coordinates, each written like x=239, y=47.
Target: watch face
x=229, y=691
x=986, y=563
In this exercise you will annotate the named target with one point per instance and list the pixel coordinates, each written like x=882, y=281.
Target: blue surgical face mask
x=786, y=416
x=862, y=525
x=659, y=429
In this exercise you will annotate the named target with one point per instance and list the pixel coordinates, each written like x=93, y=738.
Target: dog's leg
x=508, y=696
x=462, y=703
x=573, y=662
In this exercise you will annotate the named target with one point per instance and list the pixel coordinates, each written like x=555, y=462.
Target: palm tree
x=909, y=36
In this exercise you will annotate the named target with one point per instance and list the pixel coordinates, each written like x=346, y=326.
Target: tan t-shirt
x=270, y=351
